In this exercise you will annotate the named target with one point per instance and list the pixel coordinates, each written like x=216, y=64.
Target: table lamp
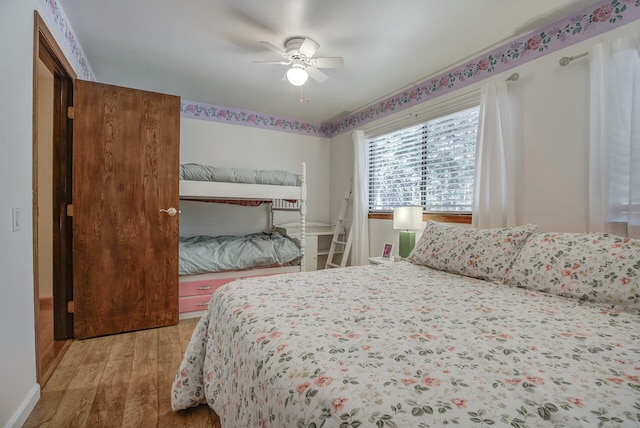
x=405, y=219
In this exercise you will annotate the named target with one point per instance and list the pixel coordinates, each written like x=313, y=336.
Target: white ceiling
x=203, y=50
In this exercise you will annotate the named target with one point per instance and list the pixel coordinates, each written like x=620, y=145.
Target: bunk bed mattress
x=197, y=172
x=405, y=345
x=203, y=254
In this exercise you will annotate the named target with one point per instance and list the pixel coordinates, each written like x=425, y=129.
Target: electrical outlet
x=16, y=222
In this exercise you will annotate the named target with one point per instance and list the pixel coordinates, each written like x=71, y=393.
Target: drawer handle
x=202, y=304
x=204, y=287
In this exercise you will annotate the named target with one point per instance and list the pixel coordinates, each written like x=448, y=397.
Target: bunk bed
x=206, y=262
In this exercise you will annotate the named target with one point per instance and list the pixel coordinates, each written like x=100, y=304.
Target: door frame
x=47, y=50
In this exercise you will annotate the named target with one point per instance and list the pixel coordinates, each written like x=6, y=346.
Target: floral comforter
x=400, y=345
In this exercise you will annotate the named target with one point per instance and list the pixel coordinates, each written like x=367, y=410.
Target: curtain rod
x=462, y=101
x=565, y=60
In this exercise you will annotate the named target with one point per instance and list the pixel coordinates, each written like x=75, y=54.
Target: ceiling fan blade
x=335, y=62
x=317, y=75
x=308, y=47
x=274, y=48
x=273, y=62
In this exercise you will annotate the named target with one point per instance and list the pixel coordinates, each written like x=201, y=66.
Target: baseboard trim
x=28, y=404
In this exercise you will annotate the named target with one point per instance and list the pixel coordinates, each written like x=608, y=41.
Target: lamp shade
x=297, y=75
x=407, y=218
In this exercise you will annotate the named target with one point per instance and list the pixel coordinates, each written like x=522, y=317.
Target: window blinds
x=431, y=164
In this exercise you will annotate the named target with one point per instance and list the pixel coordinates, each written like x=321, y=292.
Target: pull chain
x=302, y=100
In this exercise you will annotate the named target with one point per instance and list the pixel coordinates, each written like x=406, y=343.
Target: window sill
x=443, y=218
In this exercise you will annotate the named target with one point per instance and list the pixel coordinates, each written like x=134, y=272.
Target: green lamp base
x=407, y=242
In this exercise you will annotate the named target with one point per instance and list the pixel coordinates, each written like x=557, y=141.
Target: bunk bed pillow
x=479, y=253
x=590, y=267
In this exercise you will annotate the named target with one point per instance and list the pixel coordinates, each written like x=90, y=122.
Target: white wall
x=18, y=388
x=16, y=271
x=551, y=111
x=17, y=367
x=225, y=145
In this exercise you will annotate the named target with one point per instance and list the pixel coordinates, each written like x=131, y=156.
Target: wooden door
x=125, y=171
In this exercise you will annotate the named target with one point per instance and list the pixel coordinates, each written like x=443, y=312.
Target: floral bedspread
x=400, y=345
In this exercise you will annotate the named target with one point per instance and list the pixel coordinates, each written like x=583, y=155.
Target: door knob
x=171, y=211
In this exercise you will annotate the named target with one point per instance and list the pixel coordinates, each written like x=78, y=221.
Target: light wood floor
x=120, y=380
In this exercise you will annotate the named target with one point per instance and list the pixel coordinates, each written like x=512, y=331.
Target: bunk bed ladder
x=342, y=236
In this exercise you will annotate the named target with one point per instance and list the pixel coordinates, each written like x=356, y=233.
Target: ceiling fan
x=298, y=54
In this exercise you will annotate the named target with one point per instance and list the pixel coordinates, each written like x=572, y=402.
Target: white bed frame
x=216, y=190
x=205, y=190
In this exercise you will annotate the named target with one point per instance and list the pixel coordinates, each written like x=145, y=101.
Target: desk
x=317, y=242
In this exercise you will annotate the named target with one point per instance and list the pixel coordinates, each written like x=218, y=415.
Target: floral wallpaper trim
x=60, y=19
x=188, y=109
x=223, y=114
x=589, y=22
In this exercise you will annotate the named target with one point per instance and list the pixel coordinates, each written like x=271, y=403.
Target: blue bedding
x=197, y=172
x=202, y=254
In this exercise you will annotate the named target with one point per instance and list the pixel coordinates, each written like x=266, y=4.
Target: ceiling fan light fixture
x=297, y=75
x=299, y=55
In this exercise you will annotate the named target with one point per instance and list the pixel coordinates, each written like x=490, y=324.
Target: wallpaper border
x=591, y=21
x=56, y=12
x=215, y=113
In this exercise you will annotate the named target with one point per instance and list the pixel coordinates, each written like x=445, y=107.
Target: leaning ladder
x=342, y=234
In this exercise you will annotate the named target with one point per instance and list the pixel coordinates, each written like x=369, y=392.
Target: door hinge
x=70, y=210
x=70, y=112
x=70, y=307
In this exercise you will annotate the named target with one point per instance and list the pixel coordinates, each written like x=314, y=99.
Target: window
x=431, y=164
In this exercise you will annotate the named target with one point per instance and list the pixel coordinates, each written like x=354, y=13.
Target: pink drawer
x=205, y=286
x=193, y=303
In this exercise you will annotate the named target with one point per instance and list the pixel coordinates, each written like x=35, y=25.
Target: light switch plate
x=16, y=222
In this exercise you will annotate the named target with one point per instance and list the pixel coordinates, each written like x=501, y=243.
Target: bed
x=497, y=327
x=208, y=262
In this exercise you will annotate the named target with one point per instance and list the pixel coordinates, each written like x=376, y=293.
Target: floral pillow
x=480, y=253
x=593, y=267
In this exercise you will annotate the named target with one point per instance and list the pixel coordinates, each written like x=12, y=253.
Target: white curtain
x=614, y=156
x=494, y=182
x=360, y=244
